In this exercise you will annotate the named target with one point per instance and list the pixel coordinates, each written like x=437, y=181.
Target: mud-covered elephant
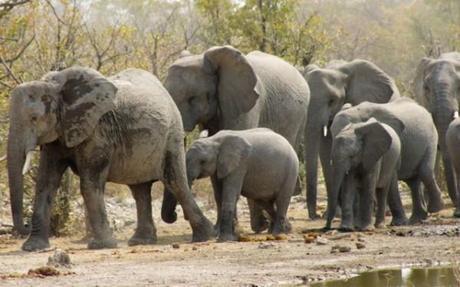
x=256, y=163
x=365, y=160
x=437, y=88
x=331, y=87
x=225, y=89
x=124, y=129
x=419, y=141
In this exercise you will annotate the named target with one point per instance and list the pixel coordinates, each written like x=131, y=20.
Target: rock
x=344, y=249
x=175, y=245
x=360, y=245
x=321, y=241
x=59, y=258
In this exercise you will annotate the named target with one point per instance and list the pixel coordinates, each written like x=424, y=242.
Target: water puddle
x=405, y=277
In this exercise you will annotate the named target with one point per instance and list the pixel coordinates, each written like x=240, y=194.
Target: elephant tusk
x=325, y=131
x=204, y=134
x=28, y=162
x=455, y=114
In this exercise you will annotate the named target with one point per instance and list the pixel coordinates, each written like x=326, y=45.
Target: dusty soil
x=262, y=261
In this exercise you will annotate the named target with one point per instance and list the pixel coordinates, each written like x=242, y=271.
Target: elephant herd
x=259, y=111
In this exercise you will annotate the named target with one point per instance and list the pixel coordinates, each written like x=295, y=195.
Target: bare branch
x=9, y=71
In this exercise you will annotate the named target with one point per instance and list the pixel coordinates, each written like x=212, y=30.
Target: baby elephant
x=365, y=158
x=257, y=163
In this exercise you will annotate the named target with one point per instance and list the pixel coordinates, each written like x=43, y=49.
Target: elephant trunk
x=444, y=111
x=339, y=173
x=313, y=135
x=16, y=157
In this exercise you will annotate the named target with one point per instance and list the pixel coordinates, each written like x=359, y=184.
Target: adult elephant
x=437, y=88
x=331, y=87
x=124, y=129
x=224, y=89
x=419, y=141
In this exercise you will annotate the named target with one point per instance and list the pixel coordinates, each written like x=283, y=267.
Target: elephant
x=437, y=88
x=419, y=141
x=365, y=158
x=453, y=145
x=123, y=129
x=224, y=89
x=243, y=163
x=331, y=87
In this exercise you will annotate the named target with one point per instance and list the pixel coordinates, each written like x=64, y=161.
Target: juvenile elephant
x=453, y=147
x=331, y=87
x=419, y=141
x=365, y=158
x=123, y=129
x=437, y=88
x=257, y=163
x=224, y=89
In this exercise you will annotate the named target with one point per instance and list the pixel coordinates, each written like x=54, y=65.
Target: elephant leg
x=175, y=179
x=381, y=195
x=451, y=181
x=396, y=207
x=231, y=189
x=258, y=221
x=325, y=157
x=348, y=199
x=145, y=232
x=433, y=191
x=418, y=211
x=92, y=186
x=366, y=201
x=168, y=206
x=269, y=207
x=50, y=172
x=281, y=223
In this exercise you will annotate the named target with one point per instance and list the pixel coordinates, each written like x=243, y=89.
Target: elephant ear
x=418, y=83
x=376, y=142
x=308, y=69
x=236, y=87
x=233, y=152
x=367, y=82
x=86, y=96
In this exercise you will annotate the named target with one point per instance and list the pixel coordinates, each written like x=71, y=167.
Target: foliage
x=110, y=35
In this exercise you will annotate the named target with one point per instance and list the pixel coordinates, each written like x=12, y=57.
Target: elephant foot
x=142, y=239
x=282, y=228
x=365, y=228
x=346, y=228
x=227, y=237
x=417, y=218
x=102, y=243
x=260, y=226
x=379, y=225
x=314, y=216
x=35, y=243
x=170, y=217
x=203, y=231
x=399, y=221
x=435, y=206
x=457, y=213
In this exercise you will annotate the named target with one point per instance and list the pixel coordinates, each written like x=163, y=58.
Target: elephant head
x=437, y=88
x=219, y=156
x=64, y=106
x=357, y=147
x=212, y=89
x=331, y=87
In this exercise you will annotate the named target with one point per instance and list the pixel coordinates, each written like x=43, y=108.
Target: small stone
x=360, y=245
x=194, y=248
x=175, y=245
x=308, y=239
x=321, y=241
x=344, y=249
x=59, y=258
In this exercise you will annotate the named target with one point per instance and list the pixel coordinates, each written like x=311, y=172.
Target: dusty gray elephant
x=331, y=87
x=437, y=88
x=365, y=158
x=123, y=129
x=243, y=163
x=224, y=89
x=419, y=141
x=453, y=147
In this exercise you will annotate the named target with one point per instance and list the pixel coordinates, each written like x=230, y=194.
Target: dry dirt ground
x=260, y=262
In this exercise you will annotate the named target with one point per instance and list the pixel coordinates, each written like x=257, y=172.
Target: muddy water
x=405, y=277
